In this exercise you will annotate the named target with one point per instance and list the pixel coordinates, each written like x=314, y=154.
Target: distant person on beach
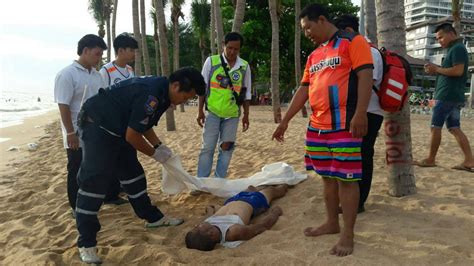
x=112, y=73
x=230, y=225
x=337, y=81
x=228, y=79
x=350, y=24
x=73, y=85
x=449, y=97
x=118, y=70
x=114, y=125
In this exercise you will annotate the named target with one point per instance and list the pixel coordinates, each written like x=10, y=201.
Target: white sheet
x=176, y=179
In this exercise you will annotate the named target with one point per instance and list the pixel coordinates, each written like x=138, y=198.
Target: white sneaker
x=165, y=221
x=89, y=255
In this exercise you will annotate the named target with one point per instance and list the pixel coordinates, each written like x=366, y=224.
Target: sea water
x=16, y=105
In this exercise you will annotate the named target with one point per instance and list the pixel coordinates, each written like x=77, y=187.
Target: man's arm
x=138, y=142
x=205, y=72
x=364, y=89
x=455, y=71
x=246, y=232
x=298, y=101
x=151, y=136
x=72, y=139
x=245, y=118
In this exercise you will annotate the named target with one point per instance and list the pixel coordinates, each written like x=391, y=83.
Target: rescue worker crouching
x=114, y=125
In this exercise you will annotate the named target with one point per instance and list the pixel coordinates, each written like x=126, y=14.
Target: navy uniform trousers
x=105, y=155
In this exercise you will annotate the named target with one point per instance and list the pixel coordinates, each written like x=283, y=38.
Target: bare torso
x=239, y=208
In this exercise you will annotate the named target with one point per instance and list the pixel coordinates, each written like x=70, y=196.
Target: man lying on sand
x=230, y=225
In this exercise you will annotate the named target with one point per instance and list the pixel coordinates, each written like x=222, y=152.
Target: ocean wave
x=21, y=109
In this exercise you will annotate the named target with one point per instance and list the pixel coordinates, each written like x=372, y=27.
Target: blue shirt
x=137, y=103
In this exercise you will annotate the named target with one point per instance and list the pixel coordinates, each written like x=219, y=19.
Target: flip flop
x=424, y=163
x=463, y=168
x=165, y=221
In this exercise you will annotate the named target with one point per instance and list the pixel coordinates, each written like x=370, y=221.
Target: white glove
x=162, y=153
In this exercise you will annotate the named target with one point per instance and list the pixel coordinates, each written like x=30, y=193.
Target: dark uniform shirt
x=137, y=103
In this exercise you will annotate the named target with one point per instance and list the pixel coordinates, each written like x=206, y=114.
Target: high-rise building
x=417, y=11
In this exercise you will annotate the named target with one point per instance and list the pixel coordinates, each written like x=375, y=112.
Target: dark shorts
x=256, y=199
x=449, y=112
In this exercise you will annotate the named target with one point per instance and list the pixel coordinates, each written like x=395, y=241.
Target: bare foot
x=276, y=211
x=324, y=229
x=344, y=247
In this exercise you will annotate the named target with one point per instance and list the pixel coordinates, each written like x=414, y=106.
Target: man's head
x=316, y=24
x=445, y=34
x=203, y=237
x=233, y=41
x=124, y=47
x=348, y=23
x=90, y=49
x=185, y=83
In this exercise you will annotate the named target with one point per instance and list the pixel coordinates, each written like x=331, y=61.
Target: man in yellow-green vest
x=228, y=82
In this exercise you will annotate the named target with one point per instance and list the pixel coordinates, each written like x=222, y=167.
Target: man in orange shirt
x=337, y=82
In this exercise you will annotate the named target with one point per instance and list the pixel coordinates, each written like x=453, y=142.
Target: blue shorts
x=256, y=199
x=449, y=112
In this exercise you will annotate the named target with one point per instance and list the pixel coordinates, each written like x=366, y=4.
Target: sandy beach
x=433, y=227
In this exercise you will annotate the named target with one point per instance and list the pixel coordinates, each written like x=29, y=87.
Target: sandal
x=165, y=221
x=424, y=163
x=463, y=168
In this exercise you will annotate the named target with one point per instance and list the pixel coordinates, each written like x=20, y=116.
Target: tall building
x=423, y=16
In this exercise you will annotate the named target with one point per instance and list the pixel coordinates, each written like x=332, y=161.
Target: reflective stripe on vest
x=220, y=98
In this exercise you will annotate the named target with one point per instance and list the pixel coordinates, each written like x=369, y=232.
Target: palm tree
x=114, y=18
x=200, y=21
x=304, y=112
x=238, y=15
x=219, y=25
x=165, y=62
x=370, y=23
x=100, y=10
x=213, y=28
x=175, y=15
x=456, y=7
x=136, y=35
x=391, y=34
x=146, y=56
x=155, y=38
x=275, y=62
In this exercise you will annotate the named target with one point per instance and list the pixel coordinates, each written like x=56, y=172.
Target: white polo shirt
x=73, y=86
x=247, y=82
x=374, y=105
x=112, y=73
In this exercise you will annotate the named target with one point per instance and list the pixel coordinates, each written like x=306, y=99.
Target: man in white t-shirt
x=112, y=73
x=118, y=70
x=73, y=86
x=374, y=113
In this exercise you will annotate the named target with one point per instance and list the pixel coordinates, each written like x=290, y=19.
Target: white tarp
x=176, y=179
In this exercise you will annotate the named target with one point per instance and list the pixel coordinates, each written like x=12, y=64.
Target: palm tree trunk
x=456, y=7
x=219, y=25
x=109, y=39
x=398, y=151
x=146, y=56
x=114, y=19
x=275, y=67
x=304, y=112
x=238, y=16
x=213, y=28
x=370, y=23
x=165, y=62
x=136, y=35
x=157, y=49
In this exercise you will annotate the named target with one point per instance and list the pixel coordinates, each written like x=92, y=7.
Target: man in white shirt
x=118, y=70
x=228, y=80
x=374, y=113
x=73, y=86
x=112, y=73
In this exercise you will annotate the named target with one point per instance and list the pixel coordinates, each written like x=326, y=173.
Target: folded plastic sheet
x=176, y=179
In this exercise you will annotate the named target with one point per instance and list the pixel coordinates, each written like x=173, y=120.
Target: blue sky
x=37, y=42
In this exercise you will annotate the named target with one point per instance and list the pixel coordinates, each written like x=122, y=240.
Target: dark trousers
x=74, y=158
x=368, y=142
x=103, y=156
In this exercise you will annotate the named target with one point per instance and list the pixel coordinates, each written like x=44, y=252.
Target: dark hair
x=125, y=41
x=446, y=27
x=195, y=240
x=90, y=41
x=234, y=36
x=189, y=79
x=313, y=11
x=345, y=21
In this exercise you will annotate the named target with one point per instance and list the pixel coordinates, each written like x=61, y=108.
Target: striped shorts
x=334, y=154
